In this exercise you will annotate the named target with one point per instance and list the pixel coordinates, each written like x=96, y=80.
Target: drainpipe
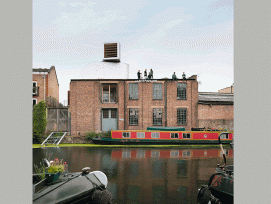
x=124, y=105
x=166, y=103
x=191, y=104
x=44, y=86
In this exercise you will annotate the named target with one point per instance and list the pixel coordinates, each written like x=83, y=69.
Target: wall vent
x=111, y=52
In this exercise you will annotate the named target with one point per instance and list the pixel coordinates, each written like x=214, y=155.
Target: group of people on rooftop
x=150, y=76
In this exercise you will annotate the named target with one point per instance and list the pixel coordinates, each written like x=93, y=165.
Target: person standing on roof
x=184, y=75
x=151, y=73
x=138, y=74
x=145, y=73
x=174, y=76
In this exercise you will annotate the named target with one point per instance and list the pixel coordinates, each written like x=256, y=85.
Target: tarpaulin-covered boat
x=80, y=187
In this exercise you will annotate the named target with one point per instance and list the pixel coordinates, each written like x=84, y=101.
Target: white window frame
x=140, y=134
x=127, y=134
x=35, y=82
x=175, y=133
x=154, y=135
x=34, y=99
x=185, y=135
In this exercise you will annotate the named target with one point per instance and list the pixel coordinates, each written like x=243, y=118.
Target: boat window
x=224, y=136
x=186, y=135
x=141, y=135
x=126, y=134
x=155, y=135
x=174, y=135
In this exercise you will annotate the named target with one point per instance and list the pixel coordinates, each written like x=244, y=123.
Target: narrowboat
x=220, y=185
x=164, y=136
x=79, y=187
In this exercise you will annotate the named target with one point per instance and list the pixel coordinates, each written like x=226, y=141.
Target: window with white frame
x=181, y=116
x=109, y=93
x=133, y=116
x=174, y=135
x=174, y=153
x=157, y=116
x=126, y=134
x=141, y=135
x=157, y=91
x=186, y=135
x=133, y=91
x=181, y=91
x=35, y=87
x=34, y=101
x=155, y=135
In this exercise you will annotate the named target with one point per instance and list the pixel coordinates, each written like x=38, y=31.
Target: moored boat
x=169, y=136
x=79, y=187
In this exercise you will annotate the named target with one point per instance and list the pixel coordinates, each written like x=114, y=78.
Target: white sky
x=195, y=37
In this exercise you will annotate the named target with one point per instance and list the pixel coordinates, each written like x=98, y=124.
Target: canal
x=144, y=175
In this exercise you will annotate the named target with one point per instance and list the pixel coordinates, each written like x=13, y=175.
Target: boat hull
x=110, y=141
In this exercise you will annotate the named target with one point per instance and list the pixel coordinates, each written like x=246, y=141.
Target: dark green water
x=141, y=175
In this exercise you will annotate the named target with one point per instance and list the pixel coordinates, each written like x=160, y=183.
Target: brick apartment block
x=132, y=104
x=45, y=84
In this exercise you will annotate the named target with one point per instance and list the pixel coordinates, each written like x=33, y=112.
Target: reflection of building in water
x=148, y=176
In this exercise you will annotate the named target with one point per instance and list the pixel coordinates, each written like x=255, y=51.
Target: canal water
x=144, y=175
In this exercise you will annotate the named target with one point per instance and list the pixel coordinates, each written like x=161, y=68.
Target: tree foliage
x=39, y=122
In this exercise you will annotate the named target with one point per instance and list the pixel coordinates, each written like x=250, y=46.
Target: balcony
x=36, y=91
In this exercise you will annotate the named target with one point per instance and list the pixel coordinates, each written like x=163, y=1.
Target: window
x=186, y=135
x=157, y=116
x=181, y=91
x=141, y=135
x=157, y=91
x=35, y=87
x=126, y=134
x=133, y=116
x=133, y=91
x=174, y=135
x=224, y=136
x=155, y=135
x=34, y=101
x=109, y=93
x=155, y=153
x=181, y=116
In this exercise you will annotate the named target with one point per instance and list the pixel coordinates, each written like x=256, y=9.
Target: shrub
x=107, y=134
x=39, y=122
x=90, y=135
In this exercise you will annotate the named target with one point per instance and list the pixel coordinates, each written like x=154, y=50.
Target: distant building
x=45, y=84
x=216, y=110
x=227, y=90
x=112, y=104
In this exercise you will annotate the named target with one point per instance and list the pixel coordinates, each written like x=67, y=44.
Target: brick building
x=45, y=84
x=216, y=110
x=110, y=104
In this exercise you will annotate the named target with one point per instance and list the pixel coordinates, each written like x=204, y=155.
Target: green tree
x=39, y=122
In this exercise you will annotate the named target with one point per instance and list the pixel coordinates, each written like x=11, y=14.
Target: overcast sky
x=195, y=37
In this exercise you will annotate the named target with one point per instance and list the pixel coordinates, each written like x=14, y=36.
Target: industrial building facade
x=112, y=104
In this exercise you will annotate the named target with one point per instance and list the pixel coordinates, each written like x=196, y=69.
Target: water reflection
x=144, y=175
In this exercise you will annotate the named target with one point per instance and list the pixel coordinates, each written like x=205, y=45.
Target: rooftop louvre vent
x=111, y=52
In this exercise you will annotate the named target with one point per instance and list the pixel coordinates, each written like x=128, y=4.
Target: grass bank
x=131, y=146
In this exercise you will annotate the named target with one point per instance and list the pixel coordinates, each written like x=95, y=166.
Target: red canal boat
x=164, y=136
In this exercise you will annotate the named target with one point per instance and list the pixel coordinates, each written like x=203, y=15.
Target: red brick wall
x=216, y=116
x=86, y=106
x=40, y=83
x=53, y=87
